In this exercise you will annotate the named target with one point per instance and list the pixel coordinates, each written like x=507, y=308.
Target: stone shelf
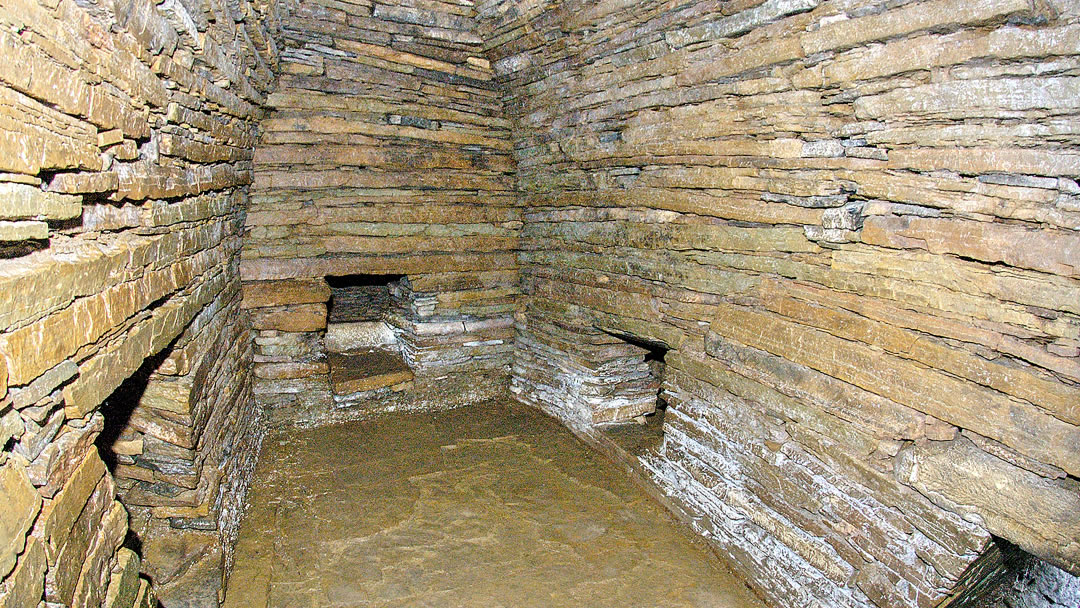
x=364, y=371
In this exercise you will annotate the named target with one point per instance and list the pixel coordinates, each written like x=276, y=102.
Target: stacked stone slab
x=190, y=445
x=385, y=154
x=854, y=225
x=581, y=374
x=126, y=134
x=292, y=381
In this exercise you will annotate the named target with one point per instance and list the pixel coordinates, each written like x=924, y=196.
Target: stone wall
x=126, y=130
x=853, y=224
x=385, y=154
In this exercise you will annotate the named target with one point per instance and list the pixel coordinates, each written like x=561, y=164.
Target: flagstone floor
x=493, y=505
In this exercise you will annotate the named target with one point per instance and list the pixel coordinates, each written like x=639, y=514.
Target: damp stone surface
x=491, y=505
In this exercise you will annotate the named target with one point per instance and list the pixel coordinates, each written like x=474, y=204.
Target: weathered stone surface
x=11, y=424
x=44, y=384
x=23, y=231
x=27, y=583
x=1040, y=514
x=283, y=371
x=925, y=295
x=298, y=318
x=94, y=577
x=386, y=153
x=263, y=294
x=1050, y=251
x=69, y=558
x=106, y=101
x=19, y=201
x=342, y=337
x=55, y=464
x=851, y=224
x=22, y=504
x=366, y=371
x=124, y=582
x=1026, y=429
x=64, y=509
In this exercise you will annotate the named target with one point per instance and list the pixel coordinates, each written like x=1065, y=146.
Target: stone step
x=362, y=371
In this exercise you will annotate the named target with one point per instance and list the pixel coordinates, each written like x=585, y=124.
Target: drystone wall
x=126, y=134
x=853, y=226
x=385, y=154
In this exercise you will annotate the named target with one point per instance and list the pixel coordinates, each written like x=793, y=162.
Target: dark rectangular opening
x=363, y=352
x=358, y=298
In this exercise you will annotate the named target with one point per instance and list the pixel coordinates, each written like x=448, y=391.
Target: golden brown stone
x=27, y=582
x=301, y=317
x=22, y=504
x=261, y=294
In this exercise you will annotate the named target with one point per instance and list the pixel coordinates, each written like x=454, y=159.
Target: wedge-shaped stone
x=1036, y=513
x=21, y=506
x=27, y=582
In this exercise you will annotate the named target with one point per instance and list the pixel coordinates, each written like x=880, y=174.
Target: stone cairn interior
x=807, y=270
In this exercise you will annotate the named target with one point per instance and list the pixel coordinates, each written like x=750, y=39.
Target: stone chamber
x=807, y=271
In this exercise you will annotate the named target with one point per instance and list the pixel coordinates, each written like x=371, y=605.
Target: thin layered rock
x=854, y=227
x=126, y=134
x=386, y=153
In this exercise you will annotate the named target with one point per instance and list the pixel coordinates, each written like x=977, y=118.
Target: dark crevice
x=119, y=407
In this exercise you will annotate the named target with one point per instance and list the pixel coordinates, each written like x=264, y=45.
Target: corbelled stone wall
x=126, y=134
x=853, y=224
x=848, y=227
x=385, y=154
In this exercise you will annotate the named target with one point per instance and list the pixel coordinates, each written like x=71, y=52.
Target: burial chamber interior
x=804, y=270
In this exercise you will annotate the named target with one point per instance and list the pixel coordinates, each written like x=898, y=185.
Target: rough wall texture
x=854, y=226
x=385, y=154
x=125, y=152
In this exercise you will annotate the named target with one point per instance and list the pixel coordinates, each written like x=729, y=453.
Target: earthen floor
x=492, y=505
